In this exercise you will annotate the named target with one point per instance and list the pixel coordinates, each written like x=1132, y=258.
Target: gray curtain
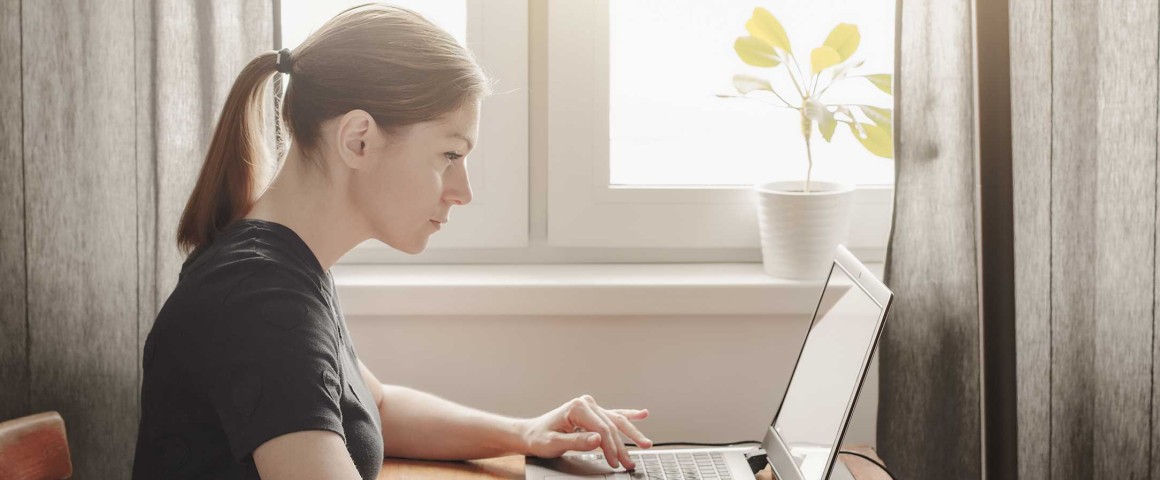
x=1084, y=106
x=1084, y=79
x=106, y=109
x=929, y=395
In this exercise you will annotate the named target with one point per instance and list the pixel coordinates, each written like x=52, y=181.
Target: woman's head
x=377, y=90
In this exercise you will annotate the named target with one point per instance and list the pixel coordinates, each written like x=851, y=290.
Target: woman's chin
x=414, y=247
x=417, y=247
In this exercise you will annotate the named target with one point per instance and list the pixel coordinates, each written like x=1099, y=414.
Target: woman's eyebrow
x=470, y=145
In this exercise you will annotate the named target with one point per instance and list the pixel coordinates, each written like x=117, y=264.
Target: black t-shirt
x=250, y=345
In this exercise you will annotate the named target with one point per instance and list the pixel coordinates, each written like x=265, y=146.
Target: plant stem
x=799, y=71
x=807, y=128
x=782, y=99
x=827, y=87
x=796, y=85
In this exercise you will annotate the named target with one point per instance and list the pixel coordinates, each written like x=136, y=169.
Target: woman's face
x=413, y=179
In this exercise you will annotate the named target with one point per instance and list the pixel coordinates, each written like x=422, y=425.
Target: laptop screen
x=828, y=374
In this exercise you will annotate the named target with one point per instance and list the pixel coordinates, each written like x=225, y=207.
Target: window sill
x=603, y=289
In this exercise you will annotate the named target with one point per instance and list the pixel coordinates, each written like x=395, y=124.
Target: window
x=644, y=163
x=498, y=215
x=640, y=145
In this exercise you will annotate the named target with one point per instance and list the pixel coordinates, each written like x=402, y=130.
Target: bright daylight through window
x=668, y=61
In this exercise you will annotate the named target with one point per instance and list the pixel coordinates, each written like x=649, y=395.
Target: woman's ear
x=354, y=134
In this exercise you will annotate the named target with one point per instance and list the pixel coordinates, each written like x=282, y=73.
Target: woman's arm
x=420, y=425
x=424, y=426
x=305, y=454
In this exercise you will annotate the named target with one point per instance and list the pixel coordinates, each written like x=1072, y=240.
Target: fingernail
x=593, y=438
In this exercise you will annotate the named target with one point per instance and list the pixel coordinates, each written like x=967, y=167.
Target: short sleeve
x=273, y=366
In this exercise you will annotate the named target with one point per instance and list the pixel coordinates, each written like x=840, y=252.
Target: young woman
x=250, y=371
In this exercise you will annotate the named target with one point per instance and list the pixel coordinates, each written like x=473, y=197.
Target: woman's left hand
x=583, y=425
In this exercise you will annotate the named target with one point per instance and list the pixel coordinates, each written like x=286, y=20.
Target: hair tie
x=284, y=63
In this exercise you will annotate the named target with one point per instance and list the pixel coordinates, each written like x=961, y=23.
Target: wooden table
x=512, y=468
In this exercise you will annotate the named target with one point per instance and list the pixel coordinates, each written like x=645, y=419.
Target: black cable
x=871, y=460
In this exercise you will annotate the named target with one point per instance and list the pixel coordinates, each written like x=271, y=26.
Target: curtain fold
x=1085, y=143
x=13, y=289
x=106, y=110
x=1085, y=139
x=929, y=390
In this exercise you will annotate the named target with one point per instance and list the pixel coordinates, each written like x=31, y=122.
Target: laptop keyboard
x=678, y=466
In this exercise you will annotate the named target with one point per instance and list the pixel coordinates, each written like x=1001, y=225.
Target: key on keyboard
x=680, y=466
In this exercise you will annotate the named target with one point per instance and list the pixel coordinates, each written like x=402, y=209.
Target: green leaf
x=883, y=117
x=882, y=81
x=842, y=109
x=746, y=83
x=818, y=112
x=756, y=52
x=844, y=39
x=827, y=128
x=823, y=57
x=877, y=140
x=814, y=110
x=764, y=25
x=844, y=69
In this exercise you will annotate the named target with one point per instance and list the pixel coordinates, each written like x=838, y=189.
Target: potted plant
x=802, y=222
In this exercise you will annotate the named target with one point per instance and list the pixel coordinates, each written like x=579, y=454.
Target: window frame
x=612, y=216
x=563, y=222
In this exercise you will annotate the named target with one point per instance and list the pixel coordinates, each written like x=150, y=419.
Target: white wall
x=703, y=379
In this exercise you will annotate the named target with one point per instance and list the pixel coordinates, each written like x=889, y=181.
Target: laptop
x=803, y=440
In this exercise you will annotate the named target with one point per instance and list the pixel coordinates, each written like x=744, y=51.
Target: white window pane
x=668, y=60
x=300, y=17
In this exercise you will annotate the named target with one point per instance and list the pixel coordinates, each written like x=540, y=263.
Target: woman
x=250, y=371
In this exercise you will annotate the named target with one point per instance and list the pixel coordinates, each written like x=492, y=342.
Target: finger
x=616, y=449
x=580, y=442
x=630, y=430
x=583, y=415
x=621, y=449
x=632, y=414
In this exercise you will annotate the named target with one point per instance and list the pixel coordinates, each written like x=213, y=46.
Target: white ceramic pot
x=800, y=231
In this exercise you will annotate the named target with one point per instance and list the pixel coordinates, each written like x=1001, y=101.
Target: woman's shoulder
x=279, y=294
x=249, y=248
x=241, y=292
x=248, y=267
x=266, y=314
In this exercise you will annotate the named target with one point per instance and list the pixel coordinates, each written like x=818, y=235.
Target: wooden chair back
x=34, y=448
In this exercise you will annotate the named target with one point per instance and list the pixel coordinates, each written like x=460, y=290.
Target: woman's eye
x=453, y=156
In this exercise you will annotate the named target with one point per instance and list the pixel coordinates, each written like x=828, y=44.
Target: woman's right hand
x=581, y=424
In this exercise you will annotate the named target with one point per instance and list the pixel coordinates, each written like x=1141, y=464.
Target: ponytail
x=236, y=165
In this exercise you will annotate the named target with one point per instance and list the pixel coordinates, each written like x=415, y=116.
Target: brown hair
x=387, y=60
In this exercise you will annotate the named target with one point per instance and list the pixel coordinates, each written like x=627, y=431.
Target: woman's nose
x=458, y=191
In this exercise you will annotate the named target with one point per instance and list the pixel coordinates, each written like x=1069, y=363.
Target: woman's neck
x=313, y=207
